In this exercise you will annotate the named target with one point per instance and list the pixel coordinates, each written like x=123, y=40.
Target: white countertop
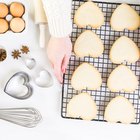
x=48, y=101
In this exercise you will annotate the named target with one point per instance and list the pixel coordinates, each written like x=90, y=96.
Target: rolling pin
x=41, y=20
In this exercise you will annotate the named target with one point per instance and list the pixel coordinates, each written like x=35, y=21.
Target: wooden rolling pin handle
x=42, y=41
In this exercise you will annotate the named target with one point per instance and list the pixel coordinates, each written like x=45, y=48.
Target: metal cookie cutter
x=44, y=79
x=18, y=86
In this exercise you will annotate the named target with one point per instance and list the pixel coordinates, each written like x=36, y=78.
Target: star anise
x=16, y=54
x=3, y=54
x=25, y=49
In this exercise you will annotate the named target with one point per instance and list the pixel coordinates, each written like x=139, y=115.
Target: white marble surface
x=48, y=101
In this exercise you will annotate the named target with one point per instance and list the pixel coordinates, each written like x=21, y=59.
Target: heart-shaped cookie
x=125, y=17
x=18, y=86
x=122, y=79
x=44, y=80
x=88, y=44
x=86, y=76
x=120, y=109
x=89, y=14
x=82, y=106
x=124, y=49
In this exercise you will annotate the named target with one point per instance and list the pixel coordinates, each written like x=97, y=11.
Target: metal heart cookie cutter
x=44, y=79
x=18, y=86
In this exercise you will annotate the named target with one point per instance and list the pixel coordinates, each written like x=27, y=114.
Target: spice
x=25, y=49
x=3, y=54
x=16, y=54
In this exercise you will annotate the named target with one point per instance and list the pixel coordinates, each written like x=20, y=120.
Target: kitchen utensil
x=27, y=117
x=18, y=86
x=103, y=95
x=41, y=20
x=30, y=63
x=44, y=79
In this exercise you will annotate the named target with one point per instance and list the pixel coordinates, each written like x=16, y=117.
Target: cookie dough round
x=17, y=9
x=3, y=26
x=3, y=10
x=17, y=25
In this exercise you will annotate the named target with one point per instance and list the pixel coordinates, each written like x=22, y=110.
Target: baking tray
x=101, y=96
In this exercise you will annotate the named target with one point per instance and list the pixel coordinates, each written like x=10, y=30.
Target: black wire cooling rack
x=101, y=96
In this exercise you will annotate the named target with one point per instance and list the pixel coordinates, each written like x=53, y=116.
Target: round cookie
x=17, y=9
x=3, y=26
x=17, y=25
x=3, y=10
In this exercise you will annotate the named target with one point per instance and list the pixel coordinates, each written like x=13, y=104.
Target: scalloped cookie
x=122, y=79
x=86, y=76
x=125, y=17
x=124, y=49
x=88, y=44
x=121, y=110
x=89, y=14
x=82, y=106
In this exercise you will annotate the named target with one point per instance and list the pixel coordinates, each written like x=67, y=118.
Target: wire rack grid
x=101, y=96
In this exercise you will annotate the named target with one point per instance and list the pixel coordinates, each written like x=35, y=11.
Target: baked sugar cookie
x=82, y=106
x=88, y=44
x=124, y=49
x=125, y=17
x=89, y=14
x=120, y=109
x=86, y=76
x=122, y=79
